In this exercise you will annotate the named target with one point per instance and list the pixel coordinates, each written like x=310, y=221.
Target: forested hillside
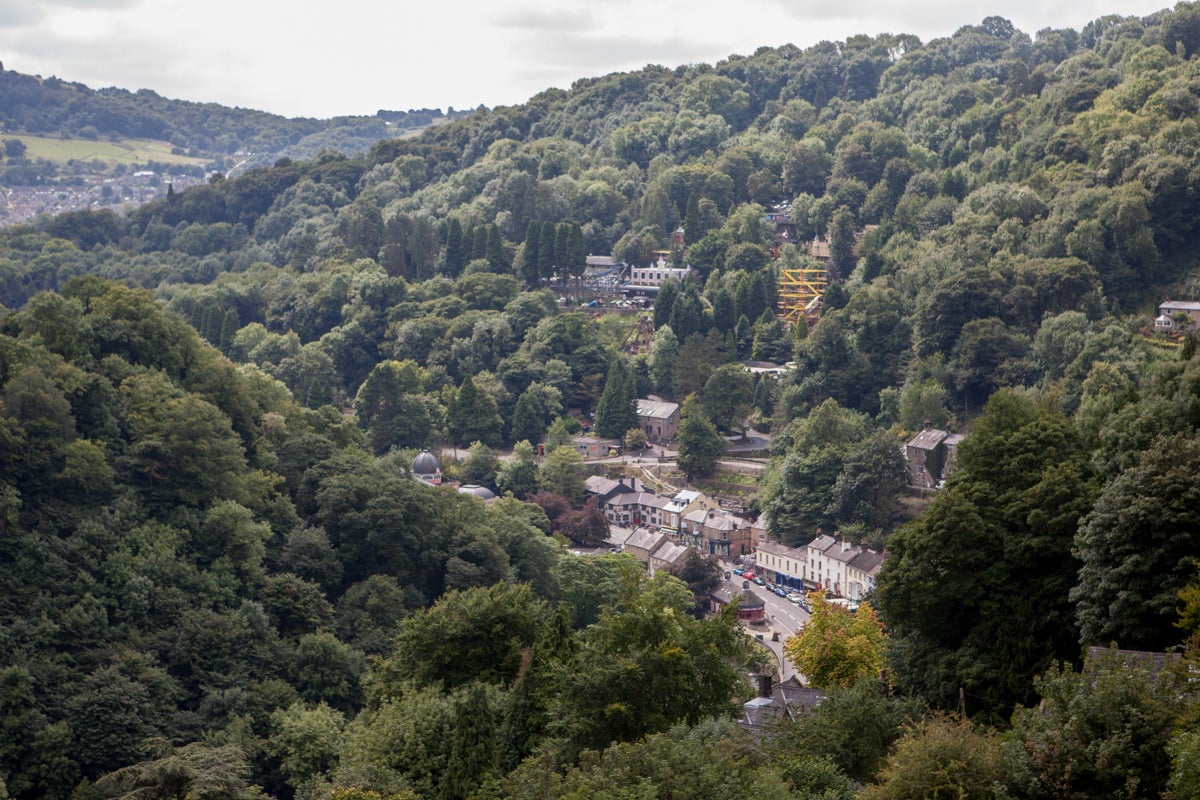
x=219, y=577
x=55, y=107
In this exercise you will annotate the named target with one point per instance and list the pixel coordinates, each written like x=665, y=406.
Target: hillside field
x=124, y=151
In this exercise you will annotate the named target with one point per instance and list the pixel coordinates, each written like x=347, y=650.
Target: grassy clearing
x=125, y=151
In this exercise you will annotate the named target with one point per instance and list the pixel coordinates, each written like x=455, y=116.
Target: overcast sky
x=304, y=58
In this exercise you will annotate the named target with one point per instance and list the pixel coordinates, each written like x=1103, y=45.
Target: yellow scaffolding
x=800, y=293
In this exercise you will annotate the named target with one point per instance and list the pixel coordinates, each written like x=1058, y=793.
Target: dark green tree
x=473, y=745
x=998, y=612
x=472, y=635
x=700, y=443
x=616, y=412
x=664, y=355
x=518, y=474
x=479, y=467
x=1138, y=547
x=530, y=271
x=576, y=251
x=687, y=669
x=495, y=253
x=545, y=251
x=454, y=260
x=728, y=395
x=529, y=418
x=473, y=417
x=1101, y=732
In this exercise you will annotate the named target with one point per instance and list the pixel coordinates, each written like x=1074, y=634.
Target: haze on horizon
x=303, y=58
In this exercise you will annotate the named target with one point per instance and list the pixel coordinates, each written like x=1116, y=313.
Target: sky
x=355, y=57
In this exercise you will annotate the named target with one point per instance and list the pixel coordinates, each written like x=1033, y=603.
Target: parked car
x=795, y=597
x=738, y=570
x=759, y=581
x=779, y=590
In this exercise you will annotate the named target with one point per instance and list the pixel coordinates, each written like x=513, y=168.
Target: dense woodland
x=219, y=579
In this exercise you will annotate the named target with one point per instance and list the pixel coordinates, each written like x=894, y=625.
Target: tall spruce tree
x=529, y=418
x=529, y=260
x=454, y=248
x=473, y=416
x=615, y=413
x=495, y=253
x=546, y=251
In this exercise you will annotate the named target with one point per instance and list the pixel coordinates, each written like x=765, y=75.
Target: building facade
x=659, y=419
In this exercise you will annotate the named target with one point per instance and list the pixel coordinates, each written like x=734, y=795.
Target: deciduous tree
x=700, y=443
x=837, y=647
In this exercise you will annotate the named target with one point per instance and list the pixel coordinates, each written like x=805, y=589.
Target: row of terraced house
x=689, y=519
x=665, y=527
x=830, y=564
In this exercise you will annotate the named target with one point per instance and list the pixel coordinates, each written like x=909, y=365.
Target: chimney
x=928, y=425
x=763, y=684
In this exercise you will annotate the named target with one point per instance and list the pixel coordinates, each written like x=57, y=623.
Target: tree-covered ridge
x=188, y=553
x=35, y=105
x=208, y=502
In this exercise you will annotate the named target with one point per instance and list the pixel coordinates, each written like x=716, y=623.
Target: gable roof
x=682, y=500
x=1178, y=305
x=928, y=439
x=780, y=549
x=670, y=553
x=787, y=699
x=726, y=594
x=599, y=485
x=656, y=409
x=646, y=539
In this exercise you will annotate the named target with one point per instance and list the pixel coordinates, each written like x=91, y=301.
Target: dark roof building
x=425, y=468
x=788, y=699
x=751, y=607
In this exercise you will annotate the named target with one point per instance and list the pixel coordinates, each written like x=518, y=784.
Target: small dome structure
x=425, y=467
x=481, y=492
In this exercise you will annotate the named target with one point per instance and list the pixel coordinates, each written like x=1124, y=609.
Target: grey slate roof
x=656, y=409
x=928, y=439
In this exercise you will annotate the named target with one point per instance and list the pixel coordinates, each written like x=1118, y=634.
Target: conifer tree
x=494, y=251
x=546, y=251
x=529, y=419
x=479, y=242
x=454, y=248
x=473, y=416
x=576, y=253
x=561, y=232
x=230, y=325
x=472, y=745
x=529, y=261
x=615, y=413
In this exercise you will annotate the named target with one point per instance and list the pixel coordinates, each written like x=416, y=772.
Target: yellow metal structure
x=800, y=293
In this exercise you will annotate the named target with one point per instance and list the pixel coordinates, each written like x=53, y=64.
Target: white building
x=656, y=273
x=841, y=568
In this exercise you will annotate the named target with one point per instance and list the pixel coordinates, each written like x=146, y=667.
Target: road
x=783, y=617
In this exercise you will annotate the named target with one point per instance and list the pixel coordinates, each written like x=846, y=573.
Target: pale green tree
x=837, y=647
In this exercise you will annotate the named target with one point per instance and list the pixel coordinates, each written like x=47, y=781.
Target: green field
x=126, y=151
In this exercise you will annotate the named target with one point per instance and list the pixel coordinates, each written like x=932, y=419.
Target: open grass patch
x=125, y=151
